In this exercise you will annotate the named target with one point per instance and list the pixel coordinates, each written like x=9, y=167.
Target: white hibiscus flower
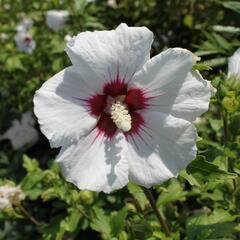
x=24, y=25
x=25, y=42
x=22, y=134
x=55, y=19
x=234, y=65
x=10, y=195
x=119, y=115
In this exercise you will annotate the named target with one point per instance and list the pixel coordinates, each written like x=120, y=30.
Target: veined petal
x=111, y=53
x=166, y=148
x=182, y=91
x=62, y=116
x=96, y=163
x=168, y=66
x=187, y=99
x=234, y=64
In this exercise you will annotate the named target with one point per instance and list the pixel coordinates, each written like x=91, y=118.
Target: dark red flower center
x=27, y=40
x=134, y=99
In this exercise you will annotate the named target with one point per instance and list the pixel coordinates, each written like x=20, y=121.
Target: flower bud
x=86, y=197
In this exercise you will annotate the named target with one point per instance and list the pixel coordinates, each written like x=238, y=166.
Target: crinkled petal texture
x=178, y=89
x=96, y=163
x=63, y=118
x=234, y=64
x=109, y=53
x=161, y=153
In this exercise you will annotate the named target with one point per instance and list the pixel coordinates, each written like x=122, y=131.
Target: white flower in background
x=22, y=134
x=28, y=119
x=112, y=3
x=10, y=195
x=67, y=38
x=119, y=115
x=3, y=36
x=24, y=25
x=56, y=19
x=234, y=65
x=7, y=6
x=25, y=42
x=23, y=38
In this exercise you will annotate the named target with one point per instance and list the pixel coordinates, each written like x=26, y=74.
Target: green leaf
x=79, y=6
x=201, y=67
x=49, y=194
x=174, y=192
x=233, y=5
x=190, y=178
x=30, y=164
x=137, y=193
x=216, y=62
x=234, y=125
x=101, y=222
x=201, y=53
x=226, y=29
x=216, y=124
x=54, y=229
x=208, y=170
x=72, y=220
x=117, y=221
x=57, y=45
x=161, y=236
x=31, y=179
x=211, y=225
x=188, y=20
x=14, y=62
x=231, y=104
x=140, y=228
x=34, y=193
x=221, y=41
x=221, y=162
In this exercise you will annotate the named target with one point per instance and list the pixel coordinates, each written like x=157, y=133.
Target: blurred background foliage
x=200, y=203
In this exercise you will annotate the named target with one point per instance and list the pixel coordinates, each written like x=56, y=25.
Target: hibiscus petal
x=165, y=147
x=186, y=100
x=96, y=163
x=62, y=116
x=178, y=89
x=234, y=64
x=122, y=51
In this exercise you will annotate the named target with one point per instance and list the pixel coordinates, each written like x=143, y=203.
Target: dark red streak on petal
x=97, y=104
x=135, y=99
x=106, y=126
x=115, y=88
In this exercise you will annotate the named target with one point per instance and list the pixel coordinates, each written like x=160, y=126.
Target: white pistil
x=120, y=116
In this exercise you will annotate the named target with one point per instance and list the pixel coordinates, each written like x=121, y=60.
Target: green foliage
x=201, y=67
x=211, y=225
x=233, y=5
x=138, y=194
x=109, y=226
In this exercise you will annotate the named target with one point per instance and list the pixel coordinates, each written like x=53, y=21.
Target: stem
x=83, y=213
x=224, y=116
x=27, y=214
x=152, y=202
x=225, y=128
